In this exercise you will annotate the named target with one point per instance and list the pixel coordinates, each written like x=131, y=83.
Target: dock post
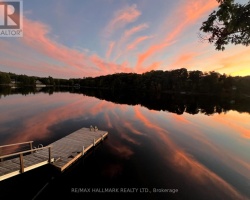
x=82, y=150
x=31, y=146
x=94, y=142
x=49, y=154
x=1, y=159
x=21, y=163
x=102, y=137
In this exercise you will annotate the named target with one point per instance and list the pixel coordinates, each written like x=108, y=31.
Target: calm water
x=199, y=146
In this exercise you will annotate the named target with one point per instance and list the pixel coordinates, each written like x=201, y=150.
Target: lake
x=166, y=146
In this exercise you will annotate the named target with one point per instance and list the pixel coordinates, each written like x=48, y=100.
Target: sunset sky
x=75, y=39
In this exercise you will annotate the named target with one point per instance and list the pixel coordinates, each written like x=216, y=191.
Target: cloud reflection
x=179, y=140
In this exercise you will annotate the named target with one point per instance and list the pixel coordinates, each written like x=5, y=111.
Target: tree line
x=178, y=80
x=24, y=80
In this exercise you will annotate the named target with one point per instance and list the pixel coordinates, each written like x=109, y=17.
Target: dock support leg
x=82, y=150
x=1, y=154
x=94, y=142
x=49, y=154
x=31, y=146
x=21, y=163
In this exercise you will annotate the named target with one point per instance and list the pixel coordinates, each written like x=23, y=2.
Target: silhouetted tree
x=229, y=24
x=4, y=78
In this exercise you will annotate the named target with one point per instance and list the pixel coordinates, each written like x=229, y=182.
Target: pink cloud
x=134, y=30
x=110, y=49
x=186, y=15
x=122, y=18
x=68, y=62
x=137, y=41
x=36, y=37
x=107, y=68
x=126, y=36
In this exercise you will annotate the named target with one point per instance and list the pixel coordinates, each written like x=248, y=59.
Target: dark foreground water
x=159, y=147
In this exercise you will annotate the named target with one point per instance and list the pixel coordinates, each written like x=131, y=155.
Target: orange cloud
x=146, y=121
x=154, y=48
x=179, y=118
x=151, y=67
x=132, y=128
x=241, y=129
x=196, y=9
x=182, y=60
x=125, y=133
x=234, y=63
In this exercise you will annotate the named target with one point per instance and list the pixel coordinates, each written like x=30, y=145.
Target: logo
x=11, y=18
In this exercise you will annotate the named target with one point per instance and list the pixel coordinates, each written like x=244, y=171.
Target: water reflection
x=176, y=103
x=205, y=156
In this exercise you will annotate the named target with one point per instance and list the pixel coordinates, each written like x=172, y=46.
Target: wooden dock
x=61, y=154
x=23, y=161
x=70, y=148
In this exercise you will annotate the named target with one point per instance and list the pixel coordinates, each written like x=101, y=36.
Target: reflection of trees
x=171, y=102
x=6, y=90
x=175, y=103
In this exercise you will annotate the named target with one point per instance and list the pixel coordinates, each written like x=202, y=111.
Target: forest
x=178, y=80
x=24, y=80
